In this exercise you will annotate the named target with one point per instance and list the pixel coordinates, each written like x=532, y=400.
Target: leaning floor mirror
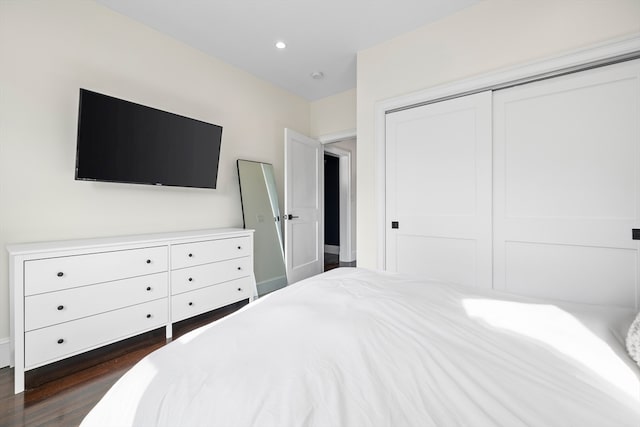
x=261, y=213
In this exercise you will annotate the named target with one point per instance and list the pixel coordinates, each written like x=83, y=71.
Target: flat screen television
x=120, y=141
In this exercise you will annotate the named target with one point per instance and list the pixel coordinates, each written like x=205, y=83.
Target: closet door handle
x=289, y=216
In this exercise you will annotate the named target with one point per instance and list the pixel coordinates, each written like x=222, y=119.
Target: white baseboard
x=5, y=352
x=271, y=285
x=332, y=249
x=353, y=257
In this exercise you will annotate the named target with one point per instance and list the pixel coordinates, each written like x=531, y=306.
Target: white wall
x=490, y=35
x=49, y=49
x=333, y=114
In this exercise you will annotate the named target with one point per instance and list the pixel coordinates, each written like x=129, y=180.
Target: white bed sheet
x=354, y=347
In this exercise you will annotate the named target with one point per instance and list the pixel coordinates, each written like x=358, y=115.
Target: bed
x=353, y=347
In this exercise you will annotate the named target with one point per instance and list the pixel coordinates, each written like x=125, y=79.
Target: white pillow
x=633, y=340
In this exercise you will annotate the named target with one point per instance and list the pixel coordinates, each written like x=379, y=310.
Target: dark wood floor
x=63, y=393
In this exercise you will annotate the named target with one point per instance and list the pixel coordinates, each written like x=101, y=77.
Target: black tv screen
x=120, y=141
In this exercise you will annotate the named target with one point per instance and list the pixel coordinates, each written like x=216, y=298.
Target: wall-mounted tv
x=120, y=141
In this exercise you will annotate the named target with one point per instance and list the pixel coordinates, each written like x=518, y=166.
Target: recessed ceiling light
x=317, y=75
x=281, y=45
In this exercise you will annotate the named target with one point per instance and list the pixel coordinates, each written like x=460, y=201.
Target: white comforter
x=358, y=348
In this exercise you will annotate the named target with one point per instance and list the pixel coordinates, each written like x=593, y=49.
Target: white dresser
x=69, y=297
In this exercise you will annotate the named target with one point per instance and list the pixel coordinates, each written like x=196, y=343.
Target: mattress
x=354, y=347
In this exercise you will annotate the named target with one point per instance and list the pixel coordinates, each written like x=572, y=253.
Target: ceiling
x=321, y=36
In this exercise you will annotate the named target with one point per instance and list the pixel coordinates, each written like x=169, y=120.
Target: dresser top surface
x=128, y=240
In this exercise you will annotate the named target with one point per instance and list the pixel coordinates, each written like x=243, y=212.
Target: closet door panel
x=567, y=186
x=443, y=258
x=584, y=273
x=438, y=174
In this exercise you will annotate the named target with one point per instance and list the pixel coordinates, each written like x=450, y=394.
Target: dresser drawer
x=190, y=254
x=188, y=279
x=62, y=306
x=59, y=341
x=53, y=274
x=206, y=299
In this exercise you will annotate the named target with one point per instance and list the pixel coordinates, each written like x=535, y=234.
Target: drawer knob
x=190, y=303
x=190, y=255
x=60, y=307
x=148, y=316
x=60, y=274
x=239, y=268
x=60, y=341
x=148, y=261
x=190, y=279
x=148, y=288
x=239, y=289
x=239, y=247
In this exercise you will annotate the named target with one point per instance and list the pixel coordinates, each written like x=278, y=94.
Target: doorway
x=339, y=204
x=331, y=204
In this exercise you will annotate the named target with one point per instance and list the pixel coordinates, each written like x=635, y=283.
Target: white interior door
x=567, y=187
x=303, y=181
x=438, y=190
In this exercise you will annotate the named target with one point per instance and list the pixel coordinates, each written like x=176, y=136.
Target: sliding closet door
x=438, y=190
x=567, y=186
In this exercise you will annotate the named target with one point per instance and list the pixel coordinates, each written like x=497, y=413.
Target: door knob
x=289, y=216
